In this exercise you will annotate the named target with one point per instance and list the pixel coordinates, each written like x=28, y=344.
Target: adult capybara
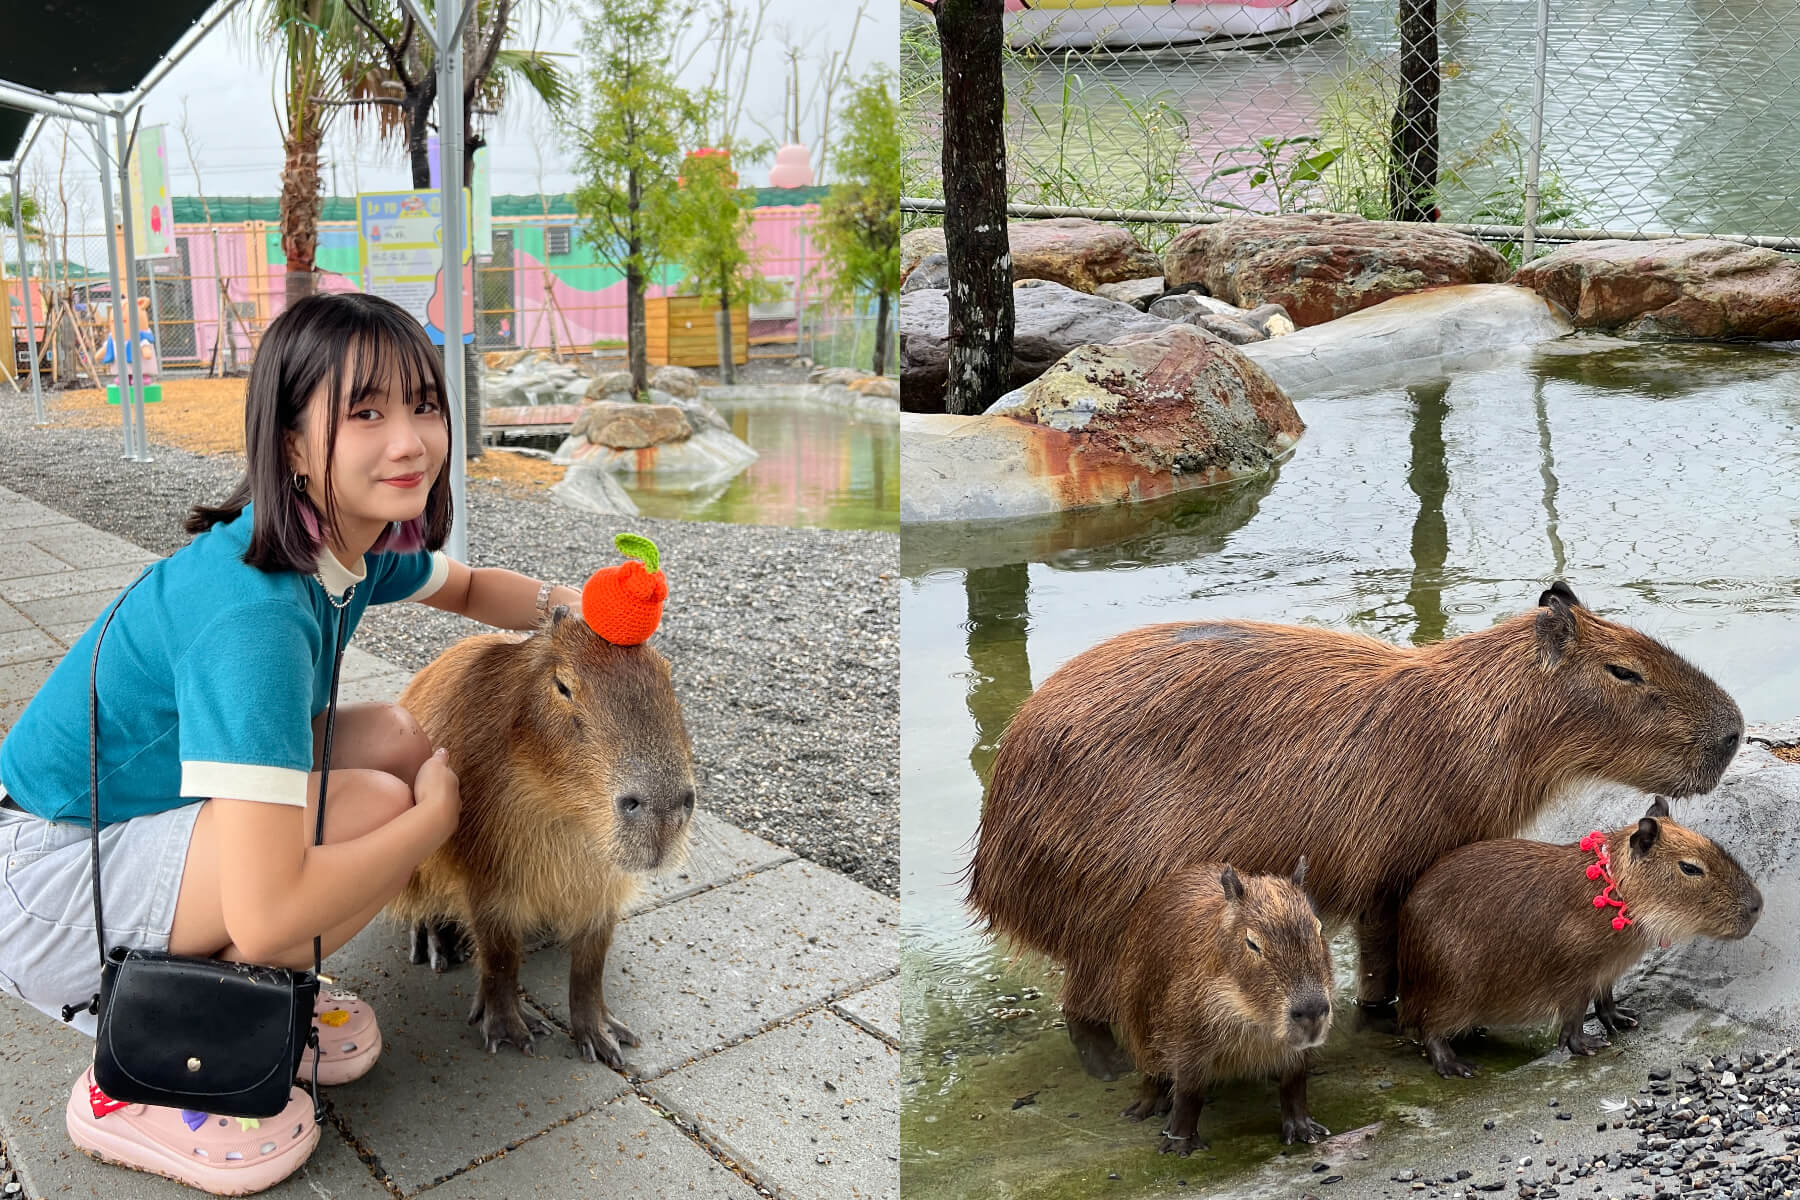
x=1511, y=932
x=577, y=779
x=1249, y=743
x=1223, y=978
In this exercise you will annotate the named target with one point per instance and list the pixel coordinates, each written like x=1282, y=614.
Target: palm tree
x=401, y=86
x=322, y=50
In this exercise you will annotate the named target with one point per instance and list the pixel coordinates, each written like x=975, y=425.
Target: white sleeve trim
x=440, y=574
x=241, y=781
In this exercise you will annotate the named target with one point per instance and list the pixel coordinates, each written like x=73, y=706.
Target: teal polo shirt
x=209, y=680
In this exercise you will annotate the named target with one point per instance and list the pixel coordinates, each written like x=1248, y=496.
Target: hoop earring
x=299, y=482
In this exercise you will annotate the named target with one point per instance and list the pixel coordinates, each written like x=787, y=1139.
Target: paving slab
x=718, y=852
x=877, y=1008
x=812, y=1109
x=21, y=560
x=11, y=619
x=20, y=681
x=83, y=546
x=24, y=645
x=20, y=513
x=700, y=975
x=437, y=1101
x=625, y=1148
x=69, y=610
x=111, y=578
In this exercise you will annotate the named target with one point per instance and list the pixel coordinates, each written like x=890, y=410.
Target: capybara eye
x=687, y=799
x=1623, y=674
x=1688, y=868
x=564, y=689
x=629, y=803
x=1251, y=942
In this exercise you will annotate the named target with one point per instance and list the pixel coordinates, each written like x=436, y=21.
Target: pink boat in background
x=1136, y=25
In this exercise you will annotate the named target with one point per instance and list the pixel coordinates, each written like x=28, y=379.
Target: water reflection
x=819, y=466
x=1429, y=479
x=1001, y=679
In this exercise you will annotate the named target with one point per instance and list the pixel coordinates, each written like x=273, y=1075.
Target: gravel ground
x=785, y=642
x=1722, y=1128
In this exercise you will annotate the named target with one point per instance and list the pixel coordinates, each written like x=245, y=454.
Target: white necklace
x=335, y=602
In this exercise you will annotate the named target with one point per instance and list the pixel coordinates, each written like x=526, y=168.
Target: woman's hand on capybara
x=437, y=790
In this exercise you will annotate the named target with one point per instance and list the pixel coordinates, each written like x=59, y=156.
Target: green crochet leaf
x=636, y=545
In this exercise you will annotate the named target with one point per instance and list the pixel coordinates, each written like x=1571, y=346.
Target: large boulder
x=1049, y=320
x=1072, y=251
x=710, y=454
x=608, y=384
x=932, y=271
x=681, y=382
x=1146, y=416
x=1674, y=288
x=591, y=488
x=1136, y=292
x=1408, y=338
x=631, y=426
x=1323, y=266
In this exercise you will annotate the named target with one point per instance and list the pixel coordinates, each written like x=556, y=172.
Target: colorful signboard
x=401, y=245
x=152, y=215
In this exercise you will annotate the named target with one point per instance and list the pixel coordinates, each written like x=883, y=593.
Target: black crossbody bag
x=200, y=1033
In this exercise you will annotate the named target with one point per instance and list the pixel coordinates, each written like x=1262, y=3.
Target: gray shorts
x=48, y=955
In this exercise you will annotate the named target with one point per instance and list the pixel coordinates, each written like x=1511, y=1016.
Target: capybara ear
x=1234, y=887
x=1555, y=628
x=1300, y=873
x=1647, y=832
x=558, y=615
x=1561, y=591
x=1659, y=807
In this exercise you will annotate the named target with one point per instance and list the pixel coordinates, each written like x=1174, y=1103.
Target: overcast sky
x=231, y=106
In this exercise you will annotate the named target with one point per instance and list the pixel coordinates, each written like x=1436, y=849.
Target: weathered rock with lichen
x=1707, y=289
x=631, y=426
x=1072, y=251
x=681, y=382
x=1323, y=266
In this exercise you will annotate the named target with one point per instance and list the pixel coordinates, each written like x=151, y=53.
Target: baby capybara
x=1511, y=932
x=1223, y=978
x=1250, y=743
x=577, y=779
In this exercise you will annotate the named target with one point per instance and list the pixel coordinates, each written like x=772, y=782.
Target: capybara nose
x=1726, y=747
x=675, y=804
x=1310, y=1011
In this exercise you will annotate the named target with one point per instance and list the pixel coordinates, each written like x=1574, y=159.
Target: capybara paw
x=1103, y=1058
x=1302, y=1129
x=599, y=1045
x=1183, y=1146
x=1582, y=1042
x=1137, y=1110
x=621, y=1031
x=1615, y=1018
x=444, y=946
x=1455, y=1068
x=507, y=1023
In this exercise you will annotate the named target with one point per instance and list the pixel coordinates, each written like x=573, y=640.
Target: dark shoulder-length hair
x=349, y=343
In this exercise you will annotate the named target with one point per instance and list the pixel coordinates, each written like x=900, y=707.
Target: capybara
x=1510, y=932
x=1250, y=743
x=1223, y=978
x=577, y=779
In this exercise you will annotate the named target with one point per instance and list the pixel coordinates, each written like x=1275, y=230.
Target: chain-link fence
x=1654, y=117
x=544, y=287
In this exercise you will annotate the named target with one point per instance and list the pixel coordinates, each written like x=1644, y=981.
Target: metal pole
x=112, y=269
x=131, y=292
x=1536, y=148
x=37, y=387
x=450, y=149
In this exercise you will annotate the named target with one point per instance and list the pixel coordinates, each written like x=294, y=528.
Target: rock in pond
x=1675, y=288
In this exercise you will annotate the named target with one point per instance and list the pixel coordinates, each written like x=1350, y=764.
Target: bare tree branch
x=396, y=55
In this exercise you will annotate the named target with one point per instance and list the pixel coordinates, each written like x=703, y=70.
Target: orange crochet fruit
x=624, y=604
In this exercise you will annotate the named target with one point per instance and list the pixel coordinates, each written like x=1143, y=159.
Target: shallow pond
x=819, y=466
x=1662, y=482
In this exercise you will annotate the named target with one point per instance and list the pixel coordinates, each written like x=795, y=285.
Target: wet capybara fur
x=1506, y=932
x=1223, y=978
x=577, y=779
x=1251, y=743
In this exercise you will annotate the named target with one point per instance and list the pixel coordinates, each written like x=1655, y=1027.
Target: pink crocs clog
x=349, y=1040
x=226, y=1156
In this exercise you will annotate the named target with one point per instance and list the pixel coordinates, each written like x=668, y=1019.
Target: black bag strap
x=340, y=628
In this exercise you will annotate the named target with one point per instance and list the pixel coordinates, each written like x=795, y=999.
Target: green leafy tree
x=633, y=119
x=708, y=230
x=858, y=233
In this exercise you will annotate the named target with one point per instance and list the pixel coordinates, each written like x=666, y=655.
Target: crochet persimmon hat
x=624, y=603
